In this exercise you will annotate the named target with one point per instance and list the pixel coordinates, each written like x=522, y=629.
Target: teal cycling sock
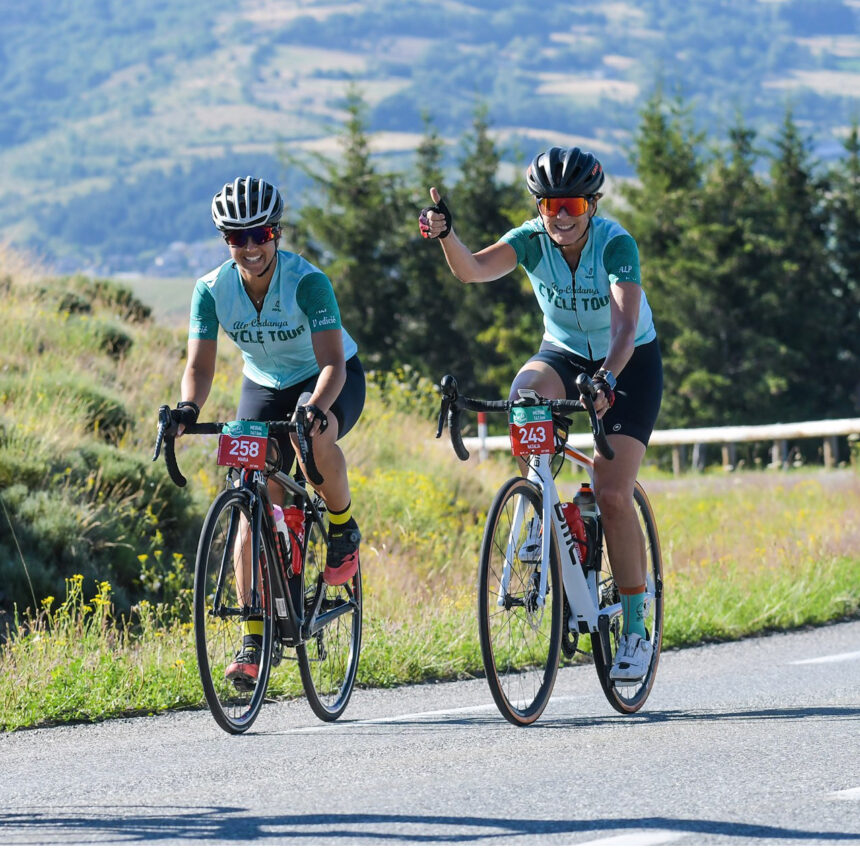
x=633, y=607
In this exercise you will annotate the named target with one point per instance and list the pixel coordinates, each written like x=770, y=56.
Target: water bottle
x=577, y=527
x=281, y=526
x=294, y=518
x=587, y=505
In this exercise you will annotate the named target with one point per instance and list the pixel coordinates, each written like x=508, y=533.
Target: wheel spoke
x=520, y=638
x=628, y=697
x=231, y=598
x=328, y=661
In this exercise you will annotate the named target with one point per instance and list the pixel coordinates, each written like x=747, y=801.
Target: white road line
x=639, y=837
x=830, y=658
x=415, y=716
x=847, y=794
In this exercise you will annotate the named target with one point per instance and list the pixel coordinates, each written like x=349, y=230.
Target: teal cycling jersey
x=276, y=341
x=576, y=309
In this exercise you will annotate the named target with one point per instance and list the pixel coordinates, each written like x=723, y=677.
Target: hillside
x=117, y=120
x=86, y=371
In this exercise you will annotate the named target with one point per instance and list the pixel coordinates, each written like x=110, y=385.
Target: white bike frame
x=580, y=586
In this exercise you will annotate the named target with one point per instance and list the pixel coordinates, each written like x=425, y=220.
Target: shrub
x=119, y=298
x=93, y=510
x=73, y=303
x=111, y=339
x=105, y=415
x=78, y=294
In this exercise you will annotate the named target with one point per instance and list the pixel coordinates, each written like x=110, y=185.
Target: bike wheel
x=224, y=566
x=627, y=697
x=328, y=658
x=520, y=639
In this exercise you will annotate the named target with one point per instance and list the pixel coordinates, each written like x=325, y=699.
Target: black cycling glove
x=186, y=413
x=441, y=209
x=602, y=385
x=307, y=414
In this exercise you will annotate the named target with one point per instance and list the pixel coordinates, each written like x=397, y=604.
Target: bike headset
x=560, y=172
x=248, y=202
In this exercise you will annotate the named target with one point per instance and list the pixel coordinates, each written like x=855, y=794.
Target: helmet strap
x=271, y=262
x=274, y=256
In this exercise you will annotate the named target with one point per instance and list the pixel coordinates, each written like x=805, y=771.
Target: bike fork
x=511, y=550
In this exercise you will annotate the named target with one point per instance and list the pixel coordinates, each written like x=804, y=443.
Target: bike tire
x=219, y=613
x=520, y=641
x=628, y=697
x=328, y=658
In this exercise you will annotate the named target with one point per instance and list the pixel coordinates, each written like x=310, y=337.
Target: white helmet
x=247, y=202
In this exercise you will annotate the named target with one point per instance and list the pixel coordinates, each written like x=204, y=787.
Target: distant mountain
x=119, y=120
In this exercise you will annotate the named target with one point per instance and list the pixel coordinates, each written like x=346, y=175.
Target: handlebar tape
x=456, y=436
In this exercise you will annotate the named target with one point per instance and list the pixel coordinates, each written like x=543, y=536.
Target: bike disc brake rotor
x=534, y=611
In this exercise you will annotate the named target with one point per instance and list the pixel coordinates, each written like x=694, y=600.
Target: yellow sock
x=341, y=517
x=252, y=628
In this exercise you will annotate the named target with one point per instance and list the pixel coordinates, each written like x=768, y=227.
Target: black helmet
x=564, y=173
x=247, y=202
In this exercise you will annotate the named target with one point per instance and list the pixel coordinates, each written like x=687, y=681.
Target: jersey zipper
x=576, y=304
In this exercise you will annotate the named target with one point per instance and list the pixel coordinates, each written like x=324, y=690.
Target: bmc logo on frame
x=569, y=540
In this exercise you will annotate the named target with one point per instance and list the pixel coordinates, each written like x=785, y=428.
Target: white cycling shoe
x=632, y=659
x=530, y=549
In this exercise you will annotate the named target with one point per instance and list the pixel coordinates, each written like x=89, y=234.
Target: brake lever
x=306, y=453
x=443, y=414
x=163, y=424
x=588, y=389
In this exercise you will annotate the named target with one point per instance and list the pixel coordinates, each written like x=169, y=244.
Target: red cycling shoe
x=243, y=671
x=341, y=562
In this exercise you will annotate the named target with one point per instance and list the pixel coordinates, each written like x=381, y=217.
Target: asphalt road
x=755, y=742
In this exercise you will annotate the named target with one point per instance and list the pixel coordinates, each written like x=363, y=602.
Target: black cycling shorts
x=638, y=389
x=259, y=403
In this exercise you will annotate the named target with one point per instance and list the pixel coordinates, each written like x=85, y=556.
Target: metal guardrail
x=728, y=437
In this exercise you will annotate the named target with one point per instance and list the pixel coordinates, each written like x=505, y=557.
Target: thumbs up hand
x=435, y=221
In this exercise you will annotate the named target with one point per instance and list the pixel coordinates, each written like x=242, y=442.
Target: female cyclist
x=585, y=274
x=299, y=362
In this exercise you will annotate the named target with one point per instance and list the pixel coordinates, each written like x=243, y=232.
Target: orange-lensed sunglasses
x=551, y=206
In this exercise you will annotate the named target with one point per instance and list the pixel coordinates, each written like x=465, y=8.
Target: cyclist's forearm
x=196, y=385
x=620, y=350
x=461, y=261
x=489, y=264
x=329, y=385
x=624, y=303
x=199, y=370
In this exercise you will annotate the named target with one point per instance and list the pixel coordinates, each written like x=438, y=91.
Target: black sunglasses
x=260, y=235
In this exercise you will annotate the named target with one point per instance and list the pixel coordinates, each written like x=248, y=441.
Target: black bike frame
x=293, y=624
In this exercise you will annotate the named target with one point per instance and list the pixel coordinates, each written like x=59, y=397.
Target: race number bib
x=531, y=430
x=243, y=444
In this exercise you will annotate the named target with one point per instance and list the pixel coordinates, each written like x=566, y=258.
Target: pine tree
x=844, y=210
x=661, y=207
x=722, y=364
x=434, y=344
x=356, y=227
x=801, y=307
x=668, y=170
x=503, y=315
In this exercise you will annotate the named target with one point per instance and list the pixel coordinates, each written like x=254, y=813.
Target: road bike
x=539, y=588
x=248, y=571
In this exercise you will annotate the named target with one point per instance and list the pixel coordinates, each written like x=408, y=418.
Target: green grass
x=743, y=555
